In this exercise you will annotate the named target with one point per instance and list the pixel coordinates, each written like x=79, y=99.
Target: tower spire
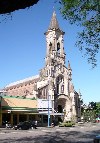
x=54, y=23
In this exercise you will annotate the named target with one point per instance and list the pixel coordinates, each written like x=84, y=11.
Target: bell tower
x=54, y=42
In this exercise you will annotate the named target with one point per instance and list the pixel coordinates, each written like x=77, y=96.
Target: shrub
x=66, y=124
x=61, y=125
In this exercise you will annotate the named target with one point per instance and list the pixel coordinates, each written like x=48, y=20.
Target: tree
x=91, y=111
x=92, y=105
x=84, y=13
x=8, y=6
x=98, y=108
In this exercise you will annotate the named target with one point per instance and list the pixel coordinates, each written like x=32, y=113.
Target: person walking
x=35, y=124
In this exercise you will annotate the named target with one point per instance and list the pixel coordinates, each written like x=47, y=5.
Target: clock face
x=51, y=35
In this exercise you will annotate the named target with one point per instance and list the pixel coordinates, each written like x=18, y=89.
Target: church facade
x=54, y=82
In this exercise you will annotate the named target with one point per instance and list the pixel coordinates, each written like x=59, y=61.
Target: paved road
x=79, y=134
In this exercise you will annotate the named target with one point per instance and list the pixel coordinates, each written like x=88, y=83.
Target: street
x=84, y=133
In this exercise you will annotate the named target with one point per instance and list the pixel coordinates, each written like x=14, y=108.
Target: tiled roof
x=18, y=102
x=22, y=81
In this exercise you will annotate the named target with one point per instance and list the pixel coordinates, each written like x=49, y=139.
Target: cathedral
x=54, y=82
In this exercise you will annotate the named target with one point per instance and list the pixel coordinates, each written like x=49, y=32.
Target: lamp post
x=49, y=94
x=48, y=113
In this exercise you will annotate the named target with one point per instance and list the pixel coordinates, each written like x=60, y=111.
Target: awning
x=59, y=114
x=50, y=113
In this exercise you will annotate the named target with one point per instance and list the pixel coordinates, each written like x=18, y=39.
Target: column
x=17, y=118
x=0, y=117
x=11, y=120
x=27, y=117
x=42, y=120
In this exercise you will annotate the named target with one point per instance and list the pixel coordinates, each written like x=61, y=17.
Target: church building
x=53, y=84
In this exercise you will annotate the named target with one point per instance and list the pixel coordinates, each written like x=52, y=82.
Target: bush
x=73, y=123
x=66, y=124
x=61, y=125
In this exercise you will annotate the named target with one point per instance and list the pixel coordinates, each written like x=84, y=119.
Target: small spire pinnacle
x=72, y=88
x=79, y=94
x=69, y=67
x=53, y=8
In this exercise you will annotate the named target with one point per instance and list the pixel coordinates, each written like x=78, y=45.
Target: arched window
x=62, y=88
x=50, y=47
x=50, y=44
x=59, y=82
x=58, y=47
x=57, y=88
x=47, y=73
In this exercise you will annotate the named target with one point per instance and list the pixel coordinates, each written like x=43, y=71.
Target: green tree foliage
x=91, y=111
x=92, y=105
x=89, y=115
x=98, y=108
x=84, y=13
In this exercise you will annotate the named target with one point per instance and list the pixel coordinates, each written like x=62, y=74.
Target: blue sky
x=23, y=49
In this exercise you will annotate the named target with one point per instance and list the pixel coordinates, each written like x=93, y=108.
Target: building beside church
x=54, y=83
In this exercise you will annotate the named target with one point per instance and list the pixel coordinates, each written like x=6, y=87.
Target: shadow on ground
x=58, y=137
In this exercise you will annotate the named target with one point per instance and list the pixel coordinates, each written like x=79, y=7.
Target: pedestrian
x=53, y=124
x=35, y=124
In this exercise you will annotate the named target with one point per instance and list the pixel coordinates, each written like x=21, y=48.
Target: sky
x=23, y=49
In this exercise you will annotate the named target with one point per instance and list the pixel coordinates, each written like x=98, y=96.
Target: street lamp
x=48, y=113
x=49, y=96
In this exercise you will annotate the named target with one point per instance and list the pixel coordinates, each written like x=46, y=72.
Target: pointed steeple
x=54, y=23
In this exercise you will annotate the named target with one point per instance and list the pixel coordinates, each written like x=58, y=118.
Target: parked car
x=25, y=125
x=97, y=139
x=98, y=119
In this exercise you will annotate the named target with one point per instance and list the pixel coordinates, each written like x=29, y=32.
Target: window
x=62, y=88
x=58, y=46
x=47, y=72
x=57, y=88
x=52, y=72
x=50, y=44
x=50, y=47
x=59, y=83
